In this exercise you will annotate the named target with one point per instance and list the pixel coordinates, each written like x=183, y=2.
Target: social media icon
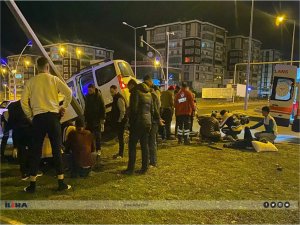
x=266, y=204
x=287, y=204
x=279, y=204
x=273, y=204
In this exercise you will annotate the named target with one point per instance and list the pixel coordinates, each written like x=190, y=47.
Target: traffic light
x=141, y=41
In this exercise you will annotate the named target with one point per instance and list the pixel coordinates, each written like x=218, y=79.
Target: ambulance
x=284, y=100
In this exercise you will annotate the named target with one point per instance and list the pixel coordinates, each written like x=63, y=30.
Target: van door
x=282, y=97
x=83, y=81
x=105, y=77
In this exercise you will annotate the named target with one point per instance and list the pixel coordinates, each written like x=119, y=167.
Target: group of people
x=148, y=114
x=232, y=126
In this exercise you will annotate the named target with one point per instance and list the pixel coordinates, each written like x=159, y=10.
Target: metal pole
x=30, y=33
x=249, y=58
x=167, y=78
x=135, y=52
x=293, y=40
x=234, y=78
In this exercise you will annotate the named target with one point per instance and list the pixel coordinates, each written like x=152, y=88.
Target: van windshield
x=125, y=69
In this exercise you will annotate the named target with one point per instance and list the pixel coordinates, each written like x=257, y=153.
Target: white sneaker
x=98, y=152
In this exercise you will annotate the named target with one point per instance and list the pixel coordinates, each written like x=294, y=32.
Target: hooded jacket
x=140, y=107
x=94, y=108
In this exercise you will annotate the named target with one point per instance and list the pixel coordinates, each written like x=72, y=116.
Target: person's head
x=79, y=124
x=113, y=90
x=131, y=84
x=184, y=85
x=148, y=80
x=214, y=115
x=265, y=110
x=222, y=113
x=91, y=89
x=42, y=65
x=177, y=88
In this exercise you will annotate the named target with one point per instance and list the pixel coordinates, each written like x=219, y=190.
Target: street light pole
x=134, y=28
x=29, y=44
x=249, y=58
x=168, y=40
x=293, y=40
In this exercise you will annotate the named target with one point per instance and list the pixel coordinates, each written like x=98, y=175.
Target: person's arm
x=259, y=124
x=64, y=90
x=25, y=100
x=122, y=108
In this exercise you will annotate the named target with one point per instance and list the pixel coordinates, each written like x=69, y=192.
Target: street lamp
x=78, y=54
x=279, y=20
x=168, y=40
x=134, y=28
x=29, y=44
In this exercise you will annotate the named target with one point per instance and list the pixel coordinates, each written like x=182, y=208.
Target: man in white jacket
x=40, y=103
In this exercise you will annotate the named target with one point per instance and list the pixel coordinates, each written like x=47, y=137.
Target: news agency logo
x=16, y=205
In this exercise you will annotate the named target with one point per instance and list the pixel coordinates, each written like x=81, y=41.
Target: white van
x=102, y=75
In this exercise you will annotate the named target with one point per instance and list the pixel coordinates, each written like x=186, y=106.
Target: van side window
x=72, y=87
x=85, y=80
x=283, y=89
x=125, y=69
x=105, y=74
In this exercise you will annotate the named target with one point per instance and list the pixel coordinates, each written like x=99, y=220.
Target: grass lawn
x=184, y=173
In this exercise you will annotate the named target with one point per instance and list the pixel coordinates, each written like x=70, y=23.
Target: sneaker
x=63, y=187
x=25, y=177
x=98, y=152
x=127, y=172
x=29, y=189
x=39, y=174
x=117, y=156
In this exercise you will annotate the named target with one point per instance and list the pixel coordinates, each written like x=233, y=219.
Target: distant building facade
x=69, y=58
x=198, y=48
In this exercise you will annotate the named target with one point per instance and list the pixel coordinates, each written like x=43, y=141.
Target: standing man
x=94, y=114
x=156, y=121
x=167, y=111
x=118, y=118
x=184, y=106
x=40, y=101
x=140, y=122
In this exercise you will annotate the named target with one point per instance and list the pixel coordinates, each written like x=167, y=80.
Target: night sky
x=101, y=22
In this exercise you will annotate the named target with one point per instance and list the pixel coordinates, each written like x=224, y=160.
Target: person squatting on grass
x=233, y=125
x=270, y=125
x=80, y=143
x=210, y=128
x=40, y=101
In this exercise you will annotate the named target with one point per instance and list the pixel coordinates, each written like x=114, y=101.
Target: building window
x=66, y=62
x=189, y=43
x=66, y=69
x=66, y=76
x=197, y=76
x=188, y=59
x=186, y=76
x=197, y=59
x=188, y=30
x=189, y=51
x=197, y=67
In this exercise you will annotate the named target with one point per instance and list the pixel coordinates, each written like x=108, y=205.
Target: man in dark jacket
x=167, y=111
x=140, y=122
x=94, y=114
x=22, y=129
x=118, y=118
x=156, y=121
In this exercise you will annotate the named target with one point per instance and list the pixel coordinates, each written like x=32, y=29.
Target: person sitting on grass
x=233, y=125
x=210, y=128
x=269, y=122
x=81, y=145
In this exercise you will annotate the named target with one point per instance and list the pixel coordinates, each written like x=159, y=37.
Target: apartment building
x=237, y=52
x=19, y=72
x=265, y=82
x=198, y=48
x=69, y=58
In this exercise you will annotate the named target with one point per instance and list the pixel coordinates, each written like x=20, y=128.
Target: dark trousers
x=120, y=129
x=23, y=141
x=184, y=125
x=242, y=144
x=5, y=138
x=166, y=115
x=96, y=131
x=153, y=144
x=46, y=123
x=229, y=131
x=136, y=135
